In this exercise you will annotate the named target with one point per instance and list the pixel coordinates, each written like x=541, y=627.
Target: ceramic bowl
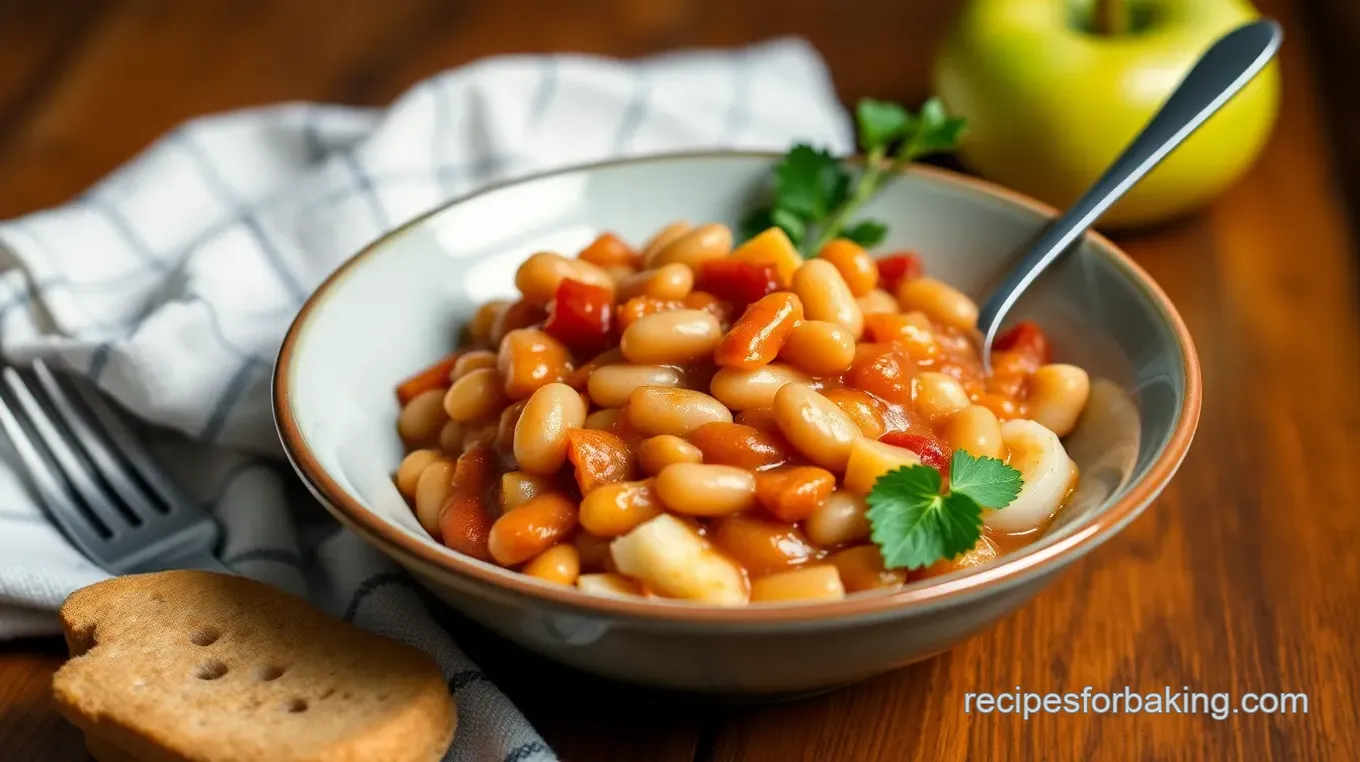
x=397, y=306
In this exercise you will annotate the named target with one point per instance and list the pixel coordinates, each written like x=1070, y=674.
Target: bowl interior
x=399, y=306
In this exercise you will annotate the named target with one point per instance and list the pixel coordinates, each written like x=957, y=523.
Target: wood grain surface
x=1243, y=577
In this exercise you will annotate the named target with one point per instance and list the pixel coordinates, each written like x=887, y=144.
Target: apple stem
x=1111, y=17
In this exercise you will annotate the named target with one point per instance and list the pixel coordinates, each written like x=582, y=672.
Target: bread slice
x=192, y=666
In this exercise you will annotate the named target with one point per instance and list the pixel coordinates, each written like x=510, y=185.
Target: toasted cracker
x=192, y=666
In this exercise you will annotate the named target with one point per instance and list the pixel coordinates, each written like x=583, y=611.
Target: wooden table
x=1242, y=577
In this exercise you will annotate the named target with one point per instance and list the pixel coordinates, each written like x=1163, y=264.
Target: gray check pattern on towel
x=170, y=284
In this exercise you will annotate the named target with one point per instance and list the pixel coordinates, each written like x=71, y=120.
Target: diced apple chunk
x=608, y=585
x=870, y=459
x=772, y=247
x=669, y=558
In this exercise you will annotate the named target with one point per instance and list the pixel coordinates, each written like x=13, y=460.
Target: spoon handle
x=1223, y=70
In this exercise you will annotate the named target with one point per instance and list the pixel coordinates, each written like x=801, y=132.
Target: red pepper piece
x=434, y=377
x=933, y=452
x=738, y=282
x=894, y=269
x=581, y=316
x=1027, y=338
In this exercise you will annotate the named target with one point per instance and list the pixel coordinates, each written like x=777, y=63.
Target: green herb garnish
x=914, y=525
x=815, y=195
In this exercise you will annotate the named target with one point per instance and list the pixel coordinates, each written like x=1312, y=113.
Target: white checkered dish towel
x=171, y=282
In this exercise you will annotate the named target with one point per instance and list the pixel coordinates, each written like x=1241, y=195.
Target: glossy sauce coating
x=693, y=420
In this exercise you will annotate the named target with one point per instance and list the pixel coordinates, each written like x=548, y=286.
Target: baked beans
x=819, y=348
x=749, y=389
x=479, y=329
x=593, y=551
x=694, y=247
x=422, y=418
x=519, y=487
x=606, y=419
x=938, y=395
x=655, y=453
x=615, y=509
x=540, y=443
x=975, y=430
x=877, y=301
x=840, y=519
x=673, y=281
x=1057, y=395
x=540, y=275
x=533, y=527
x=939, y=300
x=479, y=394
x=826, y=297
x=700, y=489
x=452, y=436
x=815, y=583
x=408, y=473
x=671, y=337
x=520, y=314
x=855, y=265
x=432, y=489
x=655, y=410
x=663, y=238
x=736, y=444
x=612, y=385
x=762, y=546
x=529, y=359
x=867, y=412
x=470, y=361
x=821, y=431
x=560, y=564
x=617, y=430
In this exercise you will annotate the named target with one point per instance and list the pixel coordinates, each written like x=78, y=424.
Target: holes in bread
x=210, y=670
x=271, y=672
x=83, y=639
x=294, y=706
x=205, y=636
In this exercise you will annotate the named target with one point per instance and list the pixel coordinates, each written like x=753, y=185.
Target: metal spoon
x=1218, y=75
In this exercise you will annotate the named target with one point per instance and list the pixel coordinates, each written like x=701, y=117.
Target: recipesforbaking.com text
x=1219, y=706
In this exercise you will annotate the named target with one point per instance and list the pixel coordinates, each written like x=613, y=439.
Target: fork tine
x=127, y=443
x=104, y=459
x=54, y=495
x=76, y=470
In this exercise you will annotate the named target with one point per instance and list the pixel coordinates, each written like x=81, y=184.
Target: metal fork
x=97, y=482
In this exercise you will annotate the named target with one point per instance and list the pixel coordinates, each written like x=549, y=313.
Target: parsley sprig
x=816, y=195
x=914, y=525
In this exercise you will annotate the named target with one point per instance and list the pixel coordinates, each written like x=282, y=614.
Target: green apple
x=1053, y=90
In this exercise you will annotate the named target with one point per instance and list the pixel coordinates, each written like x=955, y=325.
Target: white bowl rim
x=1012, y=569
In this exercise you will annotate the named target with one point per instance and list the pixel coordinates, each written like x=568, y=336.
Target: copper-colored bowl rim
x=1012, y=570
